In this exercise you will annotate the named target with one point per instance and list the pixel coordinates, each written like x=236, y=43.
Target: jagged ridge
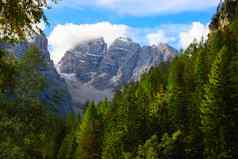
x=94, y=71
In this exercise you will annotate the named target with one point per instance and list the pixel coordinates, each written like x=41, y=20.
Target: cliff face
x=56, y=92
x=94, y=71
x=227, y=12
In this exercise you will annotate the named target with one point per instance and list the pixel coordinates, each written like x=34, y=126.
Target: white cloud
x=144, y=7
x=166, y=33
x=65, y=37
x=107, y=2
x=161, y=36
x=197, y=31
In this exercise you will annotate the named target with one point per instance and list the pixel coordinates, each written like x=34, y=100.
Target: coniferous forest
x=186, y=108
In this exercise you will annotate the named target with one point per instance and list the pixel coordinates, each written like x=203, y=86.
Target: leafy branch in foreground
x=20, y=18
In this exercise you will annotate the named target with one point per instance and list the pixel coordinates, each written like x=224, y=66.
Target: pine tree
x=27, y=129
x=116, y=129
x=158, y=113
x=170, y=146
x=150, y=150
x=177, y=97
x=67, y=147
x=7, y=72
x=66, y=150
x=231, y=91
x=212, y=110
x=89, y=134
x=30, y=81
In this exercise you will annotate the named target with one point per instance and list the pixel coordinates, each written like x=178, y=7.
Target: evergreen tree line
x=183, y=109
x=28, y=129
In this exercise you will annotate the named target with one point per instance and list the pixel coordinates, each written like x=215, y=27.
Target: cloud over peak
x=67, y=36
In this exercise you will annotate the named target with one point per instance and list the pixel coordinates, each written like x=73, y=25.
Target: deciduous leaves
x=19, y=18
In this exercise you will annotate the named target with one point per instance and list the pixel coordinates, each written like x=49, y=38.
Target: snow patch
x=94, y=55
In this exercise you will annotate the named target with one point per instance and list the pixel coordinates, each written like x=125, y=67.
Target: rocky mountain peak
x=123, y=39
x=83, y=58
x=94, y=71
x=163, y=45
x=96, y=42
x=166, y=50
x=123, y=43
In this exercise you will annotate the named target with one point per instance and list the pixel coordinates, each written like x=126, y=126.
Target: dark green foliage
x=7, y=72
x=178, y=97
x=68, y=145
x=88, y=136
x=29, y=81
x=220, y=101
x=211, y=109
x=183, y=109
x=149, y=150
x=170, y=145
x=27, y=128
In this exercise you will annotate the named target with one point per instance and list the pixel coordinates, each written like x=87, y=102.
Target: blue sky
x=176, y=22
x=58, y=15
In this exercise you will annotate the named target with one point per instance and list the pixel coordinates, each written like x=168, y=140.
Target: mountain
x=93, y=70
x=56, y=92
x=227, y=12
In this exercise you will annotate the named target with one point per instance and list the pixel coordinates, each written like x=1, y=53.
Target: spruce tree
x=212, y=109
x=88, y=136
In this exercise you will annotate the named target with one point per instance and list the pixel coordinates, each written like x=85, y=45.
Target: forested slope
x=184, y=109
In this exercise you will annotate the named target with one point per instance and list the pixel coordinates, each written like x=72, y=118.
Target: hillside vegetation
x=187, y=108
x=183, y=109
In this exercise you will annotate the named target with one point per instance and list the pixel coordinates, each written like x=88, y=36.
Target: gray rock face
x=84, y=59
x=152, y=56
x=93, y=72
x=56, y=92
x=117, y=66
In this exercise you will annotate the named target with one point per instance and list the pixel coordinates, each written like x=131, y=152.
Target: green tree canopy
x=18, y=18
